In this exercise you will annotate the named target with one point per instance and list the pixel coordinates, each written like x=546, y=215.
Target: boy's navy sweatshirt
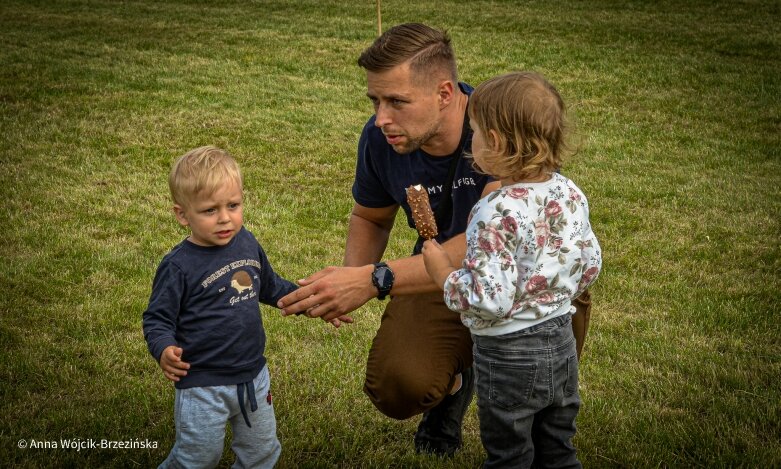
x=206, y=301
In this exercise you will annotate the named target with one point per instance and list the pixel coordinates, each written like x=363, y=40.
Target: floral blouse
x=530, y=251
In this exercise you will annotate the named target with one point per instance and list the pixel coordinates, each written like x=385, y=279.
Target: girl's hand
x=437, y=262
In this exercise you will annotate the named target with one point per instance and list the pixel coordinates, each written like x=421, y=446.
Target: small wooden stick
x=379, y=19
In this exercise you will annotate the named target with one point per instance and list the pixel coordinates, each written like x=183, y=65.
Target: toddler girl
x=530, y=251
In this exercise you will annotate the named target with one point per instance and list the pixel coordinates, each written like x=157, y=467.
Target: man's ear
x=180, y=215
x=446, y=92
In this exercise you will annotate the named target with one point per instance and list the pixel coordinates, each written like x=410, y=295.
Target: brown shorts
x=419, y=349
x=421, y=346
x=580, y=319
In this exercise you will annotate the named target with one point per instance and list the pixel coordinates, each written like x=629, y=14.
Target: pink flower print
x=541, y=232
x=545, y=298
x=518, y=193
x=554, y=242
x=536, y=284
x=471, y=263
x=509, y=224
x=573, y=195
x=588, y=276
x=490, y=239
x=507, y=258
x=552, y=209
x=453, y=295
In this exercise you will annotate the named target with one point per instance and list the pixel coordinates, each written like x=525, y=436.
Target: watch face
x=384, y=277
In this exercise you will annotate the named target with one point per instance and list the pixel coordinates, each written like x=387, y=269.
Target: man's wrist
x=382, y=279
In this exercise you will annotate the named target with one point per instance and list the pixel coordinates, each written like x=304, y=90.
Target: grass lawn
x=678, y=113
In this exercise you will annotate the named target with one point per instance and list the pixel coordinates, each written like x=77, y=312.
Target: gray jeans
x=527, y=395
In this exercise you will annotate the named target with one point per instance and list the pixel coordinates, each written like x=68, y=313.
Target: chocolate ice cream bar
x=422, y=215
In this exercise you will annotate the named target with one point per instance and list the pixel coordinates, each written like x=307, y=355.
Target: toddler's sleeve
x=591, y=254
x=485, y=286
x=272, y=286
x=160, y=317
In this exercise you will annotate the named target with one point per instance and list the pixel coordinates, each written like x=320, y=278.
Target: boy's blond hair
x=202, y=171
x=527, y=114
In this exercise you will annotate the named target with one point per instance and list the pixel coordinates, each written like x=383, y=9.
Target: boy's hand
x=171, y=363
x=337, y=322
x=437, y=262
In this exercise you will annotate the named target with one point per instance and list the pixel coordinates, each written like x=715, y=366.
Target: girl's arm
x=486, y=284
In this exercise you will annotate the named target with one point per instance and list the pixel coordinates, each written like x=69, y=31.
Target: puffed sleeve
x=485, y=286
x=590, y=256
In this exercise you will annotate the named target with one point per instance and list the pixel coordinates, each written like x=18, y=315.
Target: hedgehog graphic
x=241, y=281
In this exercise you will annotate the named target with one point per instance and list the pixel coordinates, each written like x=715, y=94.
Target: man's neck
x=447, y=140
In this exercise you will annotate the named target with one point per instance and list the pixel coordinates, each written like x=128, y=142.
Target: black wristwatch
x=382, y=278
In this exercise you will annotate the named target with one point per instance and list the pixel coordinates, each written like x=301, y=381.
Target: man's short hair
x=427, y=50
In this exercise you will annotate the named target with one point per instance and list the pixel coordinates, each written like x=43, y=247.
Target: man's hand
x=171, y=363
x=331, y=293
x=437, y=262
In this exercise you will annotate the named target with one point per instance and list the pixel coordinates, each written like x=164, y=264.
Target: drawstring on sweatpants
x=253, y=403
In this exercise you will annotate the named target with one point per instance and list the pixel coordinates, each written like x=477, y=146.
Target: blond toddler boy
x=203, y=325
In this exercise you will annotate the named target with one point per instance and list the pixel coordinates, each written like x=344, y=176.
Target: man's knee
x=403, y=393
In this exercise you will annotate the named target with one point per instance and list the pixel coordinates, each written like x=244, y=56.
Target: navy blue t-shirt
x=382, y=175
x=206, y=301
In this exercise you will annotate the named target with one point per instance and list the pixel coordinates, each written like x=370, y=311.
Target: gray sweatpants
x=201, y=415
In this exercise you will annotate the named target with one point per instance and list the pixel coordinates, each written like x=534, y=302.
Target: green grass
x=678, y=111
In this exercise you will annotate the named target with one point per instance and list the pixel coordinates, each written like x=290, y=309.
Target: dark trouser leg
x=419, y=349
x=527, y=396
x=554, y=426
x=580, y=319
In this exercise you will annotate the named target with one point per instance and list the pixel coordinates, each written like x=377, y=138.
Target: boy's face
x=213, y=219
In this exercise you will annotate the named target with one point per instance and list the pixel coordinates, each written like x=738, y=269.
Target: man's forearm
x=366, y=242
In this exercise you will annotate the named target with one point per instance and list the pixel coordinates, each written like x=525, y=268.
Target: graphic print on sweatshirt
x=241, y=280
x=242, y=283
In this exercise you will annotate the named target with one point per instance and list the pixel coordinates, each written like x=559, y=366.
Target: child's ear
x=493, y=140
x=180, y=215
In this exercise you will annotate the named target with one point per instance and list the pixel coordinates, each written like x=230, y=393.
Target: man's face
x=407, y=112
